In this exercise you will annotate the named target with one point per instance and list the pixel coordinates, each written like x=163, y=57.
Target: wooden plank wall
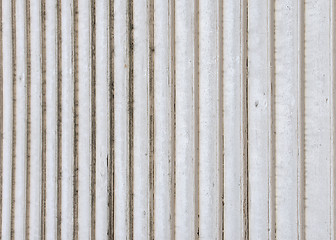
x=153, y=119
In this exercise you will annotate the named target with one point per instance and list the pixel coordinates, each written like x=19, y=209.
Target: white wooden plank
x=51, y=120
x=318, y=122
x=84, y=121
x=7, y=120
x=234, y=119
x=67, y=121
x=36, y=122
x=141, y=153
x=19, y=223
x=121, y=80
x=102, y=118
x=186, y=124
x=210, y=121
x=260, y=114
x=287, y=118
x=164, y=128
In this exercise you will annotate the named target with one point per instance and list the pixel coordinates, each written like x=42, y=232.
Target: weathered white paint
x=168, y=119
x=84, y=123
x=35, y=168
x=7, y=121
x=20, y=117
x=51, y=122
x=67, y=119
x=186, y=199
x=121, y=90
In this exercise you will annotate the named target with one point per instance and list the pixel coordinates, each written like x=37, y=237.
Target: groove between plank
x=44, y=121
x=151, y=122
x=244, y=128
x=59, y=118
x=28, y=122
x=13, y=15
x=111, y=159
x=75, y=119
x=93, y=119
x=272, y=121
x=130, y=116
x=301, y=121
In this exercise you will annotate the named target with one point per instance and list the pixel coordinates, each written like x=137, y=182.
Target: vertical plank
x=288, y=112
x=7, y=120
x=164, y=118
x=84, y=124
x=121, y=77
x=102, y=119
x=67, y=120
x=333, y=113
x=186, y=206
x=261, y=119
x=36, y=121
x=141, y=106
x=210, y=120
x=235, y=121
x=318, y=119
x=51, y=122
x=19, y=184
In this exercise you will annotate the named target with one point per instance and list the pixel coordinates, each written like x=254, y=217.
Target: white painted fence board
x=186, y=207
x=51, y=122
x=287, y=118
x=102, y=118
x=121, y=90
x=164, y=142
x=210, y=121
x=35, y=153
x=20, y=118
x=141, y=150
x=7, y=120
x=318, y=105
x=67, y=140
x=234, y=119
x=84, y=123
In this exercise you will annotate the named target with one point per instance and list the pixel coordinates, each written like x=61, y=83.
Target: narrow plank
x=186, y=206
x=235, y=120
x=210, y=120
x=51, y=120
x=261, y=124
x=102, y=119
x=287, y=100
x=163, y=114
x=333, y=112
x=20, y=118
x=84, y=124
x=141, y=120
x=318, y=120
x=121, y=78
x=7, y=120
x=67, y=121
x=35, y=180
